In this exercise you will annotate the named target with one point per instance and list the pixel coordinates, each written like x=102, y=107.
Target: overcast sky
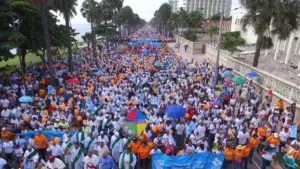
x=144, y=8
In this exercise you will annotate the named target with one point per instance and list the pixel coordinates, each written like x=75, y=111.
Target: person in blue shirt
x=106, y=162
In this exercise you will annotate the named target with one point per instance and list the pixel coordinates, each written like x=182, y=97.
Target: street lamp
x=219, y=43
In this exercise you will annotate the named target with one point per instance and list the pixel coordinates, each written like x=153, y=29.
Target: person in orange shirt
x=273, y=139
x=150, y=144
x=228, y=154
x=237, y=156
x=280, y=106
x=246, y=152
x=143, y=137
x=134, y=145
x=40, y=142
x=143, y=155
x=253, y=141
x=6, y=135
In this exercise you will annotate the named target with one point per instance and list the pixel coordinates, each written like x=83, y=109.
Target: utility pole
x=18, y=47
x=219, y=44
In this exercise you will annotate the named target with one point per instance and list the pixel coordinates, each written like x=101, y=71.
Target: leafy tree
x=89, y=11
x=195, y=19
x=183, y=18
x=68, y=9
x=87, y=37
x=282, y=15
x=232, y=40
x=215, y=17
x=7, y=34
x=42, y=4
x=190, y=35
x=163, y=14
x=212, y=30
x=124, y=18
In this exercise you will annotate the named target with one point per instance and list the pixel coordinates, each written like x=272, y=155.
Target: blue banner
x=48, y=133
x=205, y=160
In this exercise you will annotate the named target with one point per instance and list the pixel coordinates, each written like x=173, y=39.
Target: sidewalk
x=186, y=55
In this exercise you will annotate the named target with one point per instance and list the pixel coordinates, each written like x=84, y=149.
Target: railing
x=284, y=89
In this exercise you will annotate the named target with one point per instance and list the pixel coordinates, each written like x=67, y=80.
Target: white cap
x=3, y=128
x=275, y=135
x=101, y=132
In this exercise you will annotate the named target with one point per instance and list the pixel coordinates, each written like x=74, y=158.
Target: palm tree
x=88, y=11
x=68, y=9
x=42, y=5
x=283, y=14
x=87, y=37
x=212, y=30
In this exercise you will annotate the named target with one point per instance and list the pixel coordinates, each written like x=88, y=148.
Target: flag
x=51, y=89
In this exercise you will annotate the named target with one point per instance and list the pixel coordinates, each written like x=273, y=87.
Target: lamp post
x=219, y=42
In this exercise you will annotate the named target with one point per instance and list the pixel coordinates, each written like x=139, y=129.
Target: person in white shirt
x=242, y=137
x=8, y=147
x=31, y=157
x=91, y=160
x=283, y=136
x=101, y=149
x=179, y=133
x=55, y=163
x=155, y=150
x=55, y=150
x=127, y=159
x=3, y=162
x=103, y=138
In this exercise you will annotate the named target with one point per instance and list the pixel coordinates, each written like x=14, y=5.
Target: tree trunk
x=257, y=51
x=70, y=65
x=211, y=39
x=93, y=39
x=48, y=43
x=23, y=62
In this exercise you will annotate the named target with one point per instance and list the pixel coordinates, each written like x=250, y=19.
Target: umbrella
x=73, y=81
x=193, y=70
x=252, y=75
x=136, y=121
x=228, y=73
x=228, y=81
x=25, y=99
x=238, y=80
x=175, y=111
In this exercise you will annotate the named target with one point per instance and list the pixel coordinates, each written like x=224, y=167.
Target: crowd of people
x=89, y=106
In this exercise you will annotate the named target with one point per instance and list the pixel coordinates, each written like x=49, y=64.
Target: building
x=287, y=48
x=173, y=4
x=208, y=7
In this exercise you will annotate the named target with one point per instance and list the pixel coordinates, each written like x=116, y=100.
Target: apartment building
x=208, y=7
x=173, y=4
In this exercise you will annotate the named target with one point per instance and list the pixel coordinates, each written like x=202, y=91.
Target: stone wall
x=194, y=47
x=281, y=88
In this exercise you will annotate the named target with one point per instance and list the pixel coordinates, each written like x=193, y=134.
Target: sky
x=144, y=8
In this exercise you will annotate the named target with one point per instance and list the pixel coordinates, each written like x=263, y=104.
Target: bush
x=190, y=35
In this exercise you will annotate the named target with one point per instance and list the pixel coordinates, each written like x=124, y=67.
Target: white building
x=208, y=7
x=288, y=47
x=173, y=4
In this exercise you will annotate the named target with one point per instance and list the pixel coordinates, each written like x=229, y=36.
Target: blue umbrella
x=228, y=73
x=25, y=99
x=175, y=111
x=252, y=75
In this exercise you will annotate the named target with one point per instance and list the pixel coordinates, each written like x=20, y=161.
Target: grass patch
x=7, y=66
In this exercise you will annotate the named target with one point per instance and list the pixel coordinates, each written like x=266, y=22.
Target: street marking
x=254, y=161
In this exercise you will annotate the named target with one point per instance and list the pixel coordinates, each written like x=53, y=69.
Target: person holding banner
x=127, y=160
x=41, y=142
x=143, y=155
